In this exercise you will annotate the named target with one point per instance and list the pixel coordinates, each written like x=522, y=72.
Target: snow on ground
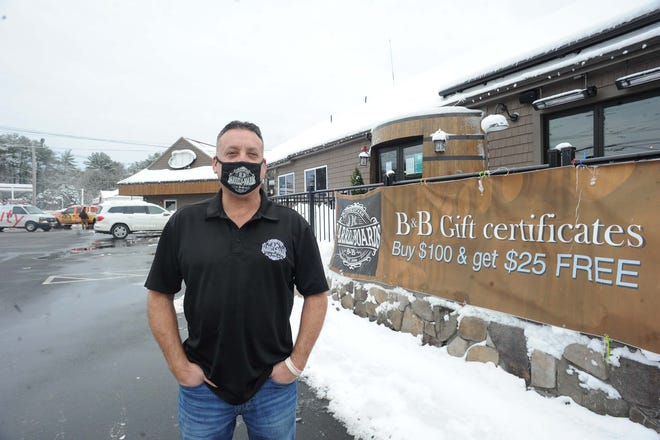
x=384, y=384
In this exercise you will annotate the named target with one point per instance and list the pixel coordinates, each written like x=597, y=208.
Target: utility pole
x=391, y=61
x=34, y=172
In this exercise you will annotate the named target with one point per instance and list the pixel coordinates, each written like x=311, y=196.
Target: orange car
x=71, y=215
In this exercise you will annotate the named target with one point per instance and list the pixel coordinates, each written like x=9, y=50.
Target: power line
x=71, y=136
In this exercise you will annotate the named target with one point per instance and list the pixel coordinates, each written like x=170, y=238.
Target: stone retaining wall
x=618, y=386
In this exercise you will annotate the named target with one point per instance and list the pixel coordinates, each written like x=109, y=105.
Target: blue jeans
x=269, y=415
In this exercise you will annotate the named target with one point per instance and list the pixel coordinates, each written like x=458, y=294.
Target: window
x=170, y=205
x=631, y=127
x=388, y=160
x=154, y=209
x=285, y=184
x=136, y=210
x=577, y=129
x=405, y=160
x=316, y=179
x=607, y=129
x=18, y=210
x=412, y=161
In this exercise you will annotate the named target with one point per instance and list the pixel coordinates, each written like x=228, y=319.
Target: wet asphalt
x=78, y=360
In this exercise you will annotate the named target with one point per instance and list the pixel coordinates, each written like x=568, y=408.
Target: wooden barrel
x=464, y=151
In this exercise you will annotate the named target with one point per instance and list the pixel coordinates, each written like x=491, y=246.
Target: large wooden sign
x=573, y=247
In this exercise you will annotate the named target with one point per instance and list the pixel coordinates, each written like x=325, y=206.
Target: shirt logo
x=274, y=249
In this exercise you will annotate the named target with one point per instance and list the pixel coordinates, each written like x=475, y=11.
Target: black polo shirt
x=239, y=288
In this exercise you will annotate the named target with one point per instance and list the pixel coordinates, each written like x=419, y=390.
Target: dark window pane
x=632, y=127
x=388, y=162
x=285, y=184
x=321, y=178
x=310, y=183
x=576, y=129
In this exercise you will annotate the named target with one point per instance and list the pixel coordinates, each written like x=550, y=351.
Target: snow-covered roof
x=360, y=119
x=583, y=39
x=161, y=176
x=620, y=46
x=207, y=149
x=201, y=173
x=422, y=98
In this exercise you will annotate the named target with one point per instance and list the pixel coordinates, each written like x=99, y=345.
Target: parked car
x=71, y=215
x=25, y=216
x=122, y=218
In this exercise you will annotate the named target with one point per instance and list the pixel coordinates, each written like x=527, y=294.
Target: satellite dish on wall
x=181, y=159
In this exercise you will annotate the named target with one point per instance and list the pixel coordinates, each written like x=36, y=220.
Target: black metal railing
x=318, y=207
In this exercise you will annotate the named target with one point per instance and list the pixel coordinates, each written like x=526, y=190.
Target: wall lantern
x=490, y=124
x=638, y=78
x=440, y=139
x=364, y=156
x=564, y=98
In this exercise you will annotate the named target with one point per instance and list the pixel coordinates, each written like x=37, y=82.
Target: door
x=388, y=164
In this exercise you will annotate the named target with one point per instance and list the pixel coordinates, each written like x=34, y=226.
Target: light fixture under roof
x=564, y=98
x=494, y=123
x=638, y=78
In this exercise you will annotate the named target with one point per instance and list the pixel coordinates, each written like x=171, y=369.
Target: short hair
x=242, y=125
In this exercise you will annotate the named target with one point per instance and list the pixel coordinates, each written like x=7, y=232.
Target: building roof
x=565, y=62
x=565, y=49
x=621, y=39
x=168, y=175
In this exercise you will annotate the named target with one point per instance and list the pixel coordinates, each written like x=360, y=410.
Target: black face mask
x=240, y=177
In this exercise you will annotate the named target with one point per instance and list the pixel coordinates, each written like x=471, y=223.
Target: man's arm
x=164, y=326
x=311, y=322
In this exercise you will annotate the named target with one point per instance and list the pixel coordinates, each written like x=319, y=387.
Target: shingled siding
x=522, y=144
x=340, y=160
x=617, y=386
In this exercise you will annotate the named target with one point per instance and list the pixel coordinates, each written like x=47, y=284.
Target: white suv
x=121, y=218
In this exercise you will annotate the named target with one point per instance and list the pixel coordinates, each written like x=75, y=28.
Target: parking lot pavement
x=79, y=360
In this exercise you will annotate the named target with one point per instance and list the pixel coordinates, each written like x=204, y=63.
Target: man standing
x=84, y=218
x=240, y=256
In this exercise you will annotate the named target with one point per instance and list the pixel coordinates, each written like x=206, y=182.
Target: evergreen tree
x=102, y=174
x=356, y=180
x=59, y=179
x=142, y=164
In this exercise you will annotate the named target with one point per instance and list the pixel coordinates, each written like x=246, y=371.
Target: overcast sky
x=149, y=72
